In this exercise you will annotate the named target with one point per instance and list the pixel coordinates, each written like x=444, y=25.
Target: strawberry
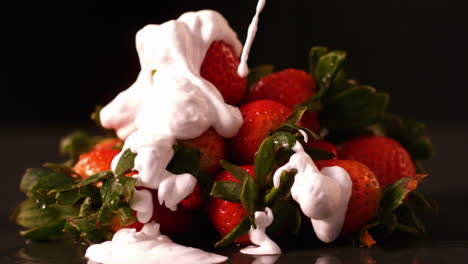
x=384, y=156
x=260, y=119
x=220, y=68
x=225, y=215
x=195, y=200
x=212, y=148
x=325, y=145
x=365, y=196
x=173, y=223
x=95, y=161
x=290, y=87
x=110, y=143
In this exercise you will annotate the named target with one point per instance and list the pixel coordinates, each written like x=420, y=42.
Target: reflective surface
x=447, y=241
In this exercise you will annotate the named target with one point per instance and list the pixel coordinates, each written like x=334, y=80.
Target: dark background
x=61, y=59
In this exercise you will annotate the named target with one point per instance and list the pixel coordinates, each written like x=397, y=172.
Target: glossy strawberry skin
x=325, y=145
x=225, y=215
x=110, y=143
x=195, y=200
x=220, y=68
x=387, y=158
x=289, y=87
x=212, y=148
x=95, y=161
x=261, y=117
x=365, y=195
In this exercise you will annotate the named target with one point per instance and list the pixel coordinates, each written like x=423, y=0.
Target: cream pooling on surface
x=147, y=246
x=323, y=195
x=170, y=100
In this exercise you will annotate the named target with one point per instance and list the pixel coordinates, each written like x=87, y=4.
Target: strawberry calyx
x=397, y=212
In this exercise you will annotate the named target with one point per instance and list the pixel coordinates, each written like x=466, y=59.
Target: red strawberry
x=260, y=118
x=172, y=223
x=384, y=156
x=325, y=145
x=220, y=68
x=212, y=148
x=290, y=87
x=95, y=161
x=365, y=196
x=110, y=143
x=195, y=200
x=225, y=215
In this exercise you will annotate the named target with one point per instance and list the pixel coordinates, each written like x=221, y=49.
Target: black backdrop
x=59, y=60
x=62, y=59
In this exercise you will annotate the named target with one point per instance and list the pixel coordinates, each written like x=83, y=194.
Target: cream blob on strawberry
x=170, y=100
x=323, y=195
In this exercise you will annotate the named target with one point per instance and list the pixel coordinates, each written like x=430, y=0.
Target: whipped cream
x=323, y=195
x=147, y=246
x=243, y=69
x=257, y=235
x=170, y=100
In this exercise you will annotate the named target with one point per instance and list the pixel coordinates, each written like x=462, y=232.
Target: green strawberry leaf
x=296, y=116
x=227, y=190
x=126, y=163
x=29, y=215
x=114, y=192
x=40, y=180
x=423, y=201
x=185, y=160
x=257, y=73
x=77, y=143
x=48, y=231
x=411, y=134
x=236, y=171
x=126, y=215
x=249, y=196
x=241, y=229
x=327, y=67
x=392, y=198
x=264, y=161
x=41, y=224
x=315, y=54
x=354, y=110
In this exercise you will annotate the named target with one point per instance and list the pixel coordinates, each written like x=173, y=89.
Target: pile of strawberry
x=338, y=121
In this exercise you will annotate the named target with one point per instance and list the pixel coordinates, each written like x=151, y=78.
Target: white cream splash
x=265, y=246
x=243, y=69
x=170, y=100
x=147, y=246
x=322, y=195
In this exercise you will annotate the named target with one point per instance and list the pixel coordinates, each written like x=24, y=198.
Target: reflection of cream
x=170, y=100
x=269, y=259
x=147, y=246
x=322, y=195
x=265, y=246
x=328, y=260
